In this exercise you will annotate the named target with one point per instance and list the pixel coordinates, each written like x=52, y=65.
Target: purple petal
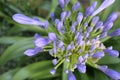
x=80, y=59
x=115, y=33
x=53, y=71
x=73, y=27
x=60, y=26
x=36, y=36
x=79, y=17
x=67, y=1
x=89, y=11
x=60, y=44
x=52, y=16
x=41, y=42
x=30, y=52
x=81, y=68
x=111, y=73
x=61, y=3
x=52, y=36
x=22, y=19
x=98, y=54
x=63, y=15
x=99, y=24
x=113, y=53
x=71, y=76
x=95, y=20
x=108, y=27
x=76, y=6
x=111, y=18
x=54, y=61
x=94, y=4
x=104, y=5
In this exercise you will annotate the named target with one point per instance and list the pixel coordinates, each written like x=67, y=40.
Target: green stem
x=64, y=75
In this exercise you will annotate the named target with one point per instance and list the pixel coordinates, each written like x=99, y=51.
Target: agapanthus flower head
x=76, y=39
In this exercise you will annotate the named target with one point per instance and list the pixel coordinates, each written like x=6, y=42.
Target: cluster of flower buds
x=77, y=40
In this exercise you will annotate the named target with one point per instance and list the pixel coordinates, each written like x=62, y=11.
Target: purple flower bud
x=87, y=34
x=80, y=59
x=54, y=61
x=52, y=36
x=46, y=24
x=109, y=72
x=57, y=21
x=93, y=47
x=69, y=47
x=22, y=19
x=71, y=76
x=63, y=15
x=110, y=48
x=99, y=24
x=73, y=27
x=113, y=53
x=108, y=27
x=79, y=17
x=60, y=44
x=67, y=1
x=98, y=54
x=95, y=20
x=115, y=33
x=37, y=36
x=104, y=34
x=41, y=42
x=53, y=71
x=81, y=68
x=85, y=56
x=111, y=18
x=89, y=11
x=52, y=16
x=61, y=3
x=68, y=14
x=85, y=24
x=89, y=29
x=51, y=52
x=30, y=52
x=60, y=26
x=38, y=49
x=76, y=6
x=104, y=5
x=94, y=4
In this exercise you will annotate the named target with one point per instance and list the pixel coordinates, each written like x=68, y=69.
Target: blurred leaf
x=16, y=50
x=34, y=71
x=108, y=60
x=80, y=76
x=8, y=75
x=115, y=67
x=10, y=40
x=115, y=42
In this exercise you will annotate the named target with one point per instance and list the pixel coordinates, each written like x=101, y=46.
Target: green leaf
x=16, y=50
x=108, y=60
x=115, y=42
x=8, y=75
x=10, y=40
x=34, y=71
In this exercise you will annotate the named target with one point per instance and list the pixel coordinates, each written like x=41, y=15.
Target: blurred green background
x=16, y=38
